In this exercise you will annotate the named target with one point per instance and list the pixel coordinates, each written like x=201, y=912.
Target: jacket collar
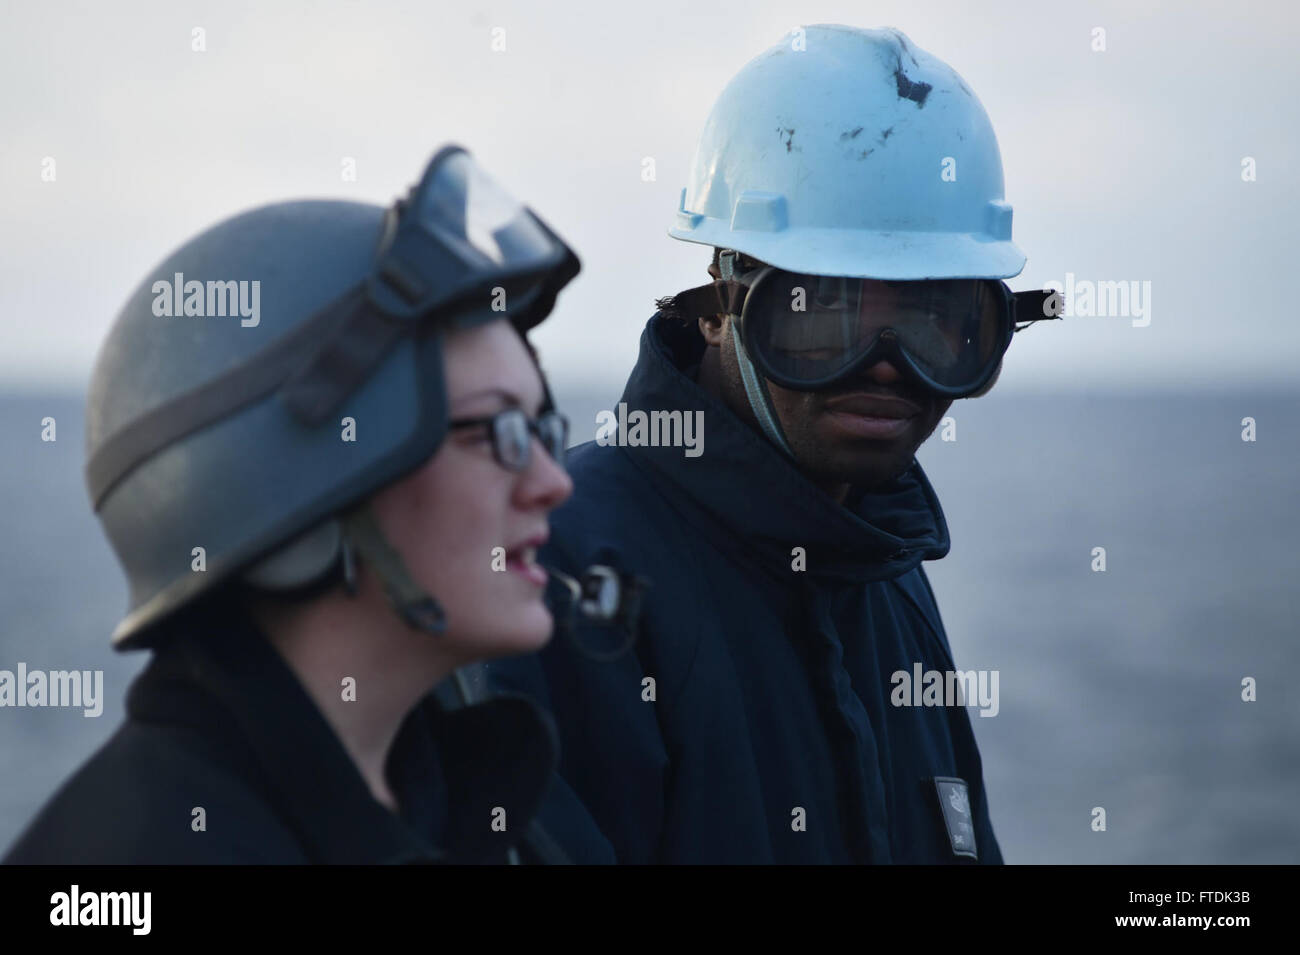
x=760, y=497
x=447, y=769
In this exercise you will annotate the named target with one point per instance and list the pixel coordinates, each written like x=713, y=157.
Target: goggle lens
x=809, y=328
x=477, y=220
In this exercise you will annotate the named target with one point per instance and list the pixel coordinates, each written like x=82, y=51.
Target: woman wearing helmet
x=311, y=443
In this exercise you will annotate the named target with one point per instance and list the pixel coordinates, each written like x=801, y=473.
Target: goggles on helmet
x=456, y=238
x=810, y=332
x=459, y=250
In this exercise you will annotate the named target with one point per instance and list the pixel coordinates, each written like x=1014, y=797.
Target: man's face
x=863, y=432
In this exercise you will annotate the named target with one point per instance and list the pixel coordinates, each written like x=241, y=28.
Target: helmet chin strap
x=602, y=596
x=415, y=606
x=760, y=400
x=412, y=603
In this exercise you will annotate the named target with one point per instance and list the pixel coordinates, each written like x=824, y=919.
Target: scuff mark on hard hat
x=865, y=153
x=902, y=41
x=788, y=133
x=885, y=134
x=917, y=92
x=850, y=134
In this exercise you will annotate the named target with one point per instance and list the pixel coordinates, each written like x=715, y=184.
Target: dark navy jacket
x=218, y=721
x=771, y=686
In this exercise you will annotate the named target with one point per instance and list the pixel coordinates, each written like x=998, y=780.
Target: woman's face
x=448, y=519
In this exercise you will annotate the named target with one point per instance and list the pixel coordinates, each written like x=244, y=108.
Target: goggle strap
x=1035, y=305
x=759, y=399
x=344, y=360
x=341, y=363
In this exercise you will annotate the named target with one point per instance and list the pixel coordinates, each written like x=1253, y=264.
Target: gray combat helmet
x=283, y=366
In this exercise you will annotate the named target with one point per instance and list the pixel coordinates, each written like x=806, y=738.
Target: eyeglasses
x=512, y=433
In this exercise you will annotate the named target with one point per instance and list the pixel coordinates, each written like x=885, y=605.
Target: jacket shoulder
x=917, y=592
x=155, y=795
x=616, y=508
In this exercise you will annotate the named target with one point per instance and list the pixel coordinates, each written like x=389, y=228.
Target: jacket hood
x=761, y=499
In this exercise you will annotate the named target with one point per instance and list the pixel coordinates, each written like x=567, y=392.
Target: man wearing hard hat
x=850, y=186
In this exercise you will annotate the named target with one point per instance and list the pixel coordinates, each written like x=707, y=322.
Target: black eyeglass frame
x=499, y=435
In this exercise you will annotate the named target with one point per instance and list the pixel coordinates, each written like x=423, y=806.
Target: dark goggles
x=810, y=332
x=511, y=432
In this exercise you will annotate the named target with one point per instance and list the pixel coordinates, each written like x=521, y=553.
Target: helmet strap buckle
x=727, y=264
x=417, y=608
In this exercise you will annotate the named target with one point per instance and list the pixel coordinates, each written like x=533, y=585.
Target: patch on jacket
x=954, y=803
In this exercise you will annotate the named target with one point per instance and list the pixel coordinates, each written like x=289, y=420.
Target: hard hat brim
x=900, y=256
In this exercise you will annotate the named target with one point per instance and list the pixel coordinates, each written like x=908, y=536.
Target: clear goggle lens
x=486, y=226
x=810, y=328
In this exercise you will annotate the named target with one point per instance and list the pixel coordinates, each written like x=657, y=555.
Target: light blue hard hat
x=851, y=152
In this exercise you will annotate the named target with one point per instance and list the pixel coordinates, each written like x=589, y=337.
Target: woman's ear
x=988, y=385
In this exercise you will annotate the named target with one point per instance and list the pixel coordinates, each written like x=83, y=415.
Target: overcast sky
x=1121, y=165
